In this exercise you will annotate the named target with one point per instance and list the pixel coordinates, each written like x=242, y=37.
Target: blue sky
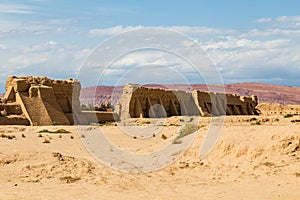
x=249, y=41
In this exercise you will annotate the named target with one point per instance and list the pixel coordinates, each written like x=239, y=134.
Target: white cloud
x=16, y=9
x=230, y=42
x=25, y=60
x=46, y=46
x=194, y=30
x=3, y=47
x=264, y=20
x=82, y=54
x=248, y=55
x=201, y=30
x=271, y=32
x=288, y=19
x=112, y=30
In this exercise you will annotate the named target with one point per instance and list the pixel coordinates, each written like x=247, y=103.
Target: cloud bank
x=51, y=48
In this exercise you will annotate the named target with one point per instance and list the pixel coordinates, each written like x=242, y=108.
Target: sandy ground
x=248, y=162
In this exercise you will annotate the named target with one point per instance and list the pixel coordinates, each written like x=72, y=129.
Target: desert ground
x=254, y=158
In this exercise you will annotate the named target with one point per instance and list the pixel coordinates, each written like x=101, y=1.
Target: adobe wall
x=40, y=101
x=278, y=110
x=11, y=113
x=217, y=104
x=137, y=101
x=44, y=101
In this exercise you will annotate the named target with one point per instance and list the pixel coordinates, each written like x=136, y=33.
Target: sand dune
x=248, y=162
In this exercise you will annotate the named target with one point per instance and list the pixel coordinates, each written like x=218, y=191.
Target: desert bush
x=43, y=131
x=256, y=123
x=288, y=115
x=186, y=130
x=110, y=124
x=57, y=131
x=90, y=107
x=178, y=141
x=10, y=137
x=60, y=131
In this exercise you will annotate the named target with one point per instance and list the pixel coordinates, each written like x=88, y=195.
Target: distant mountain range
x=266, y=93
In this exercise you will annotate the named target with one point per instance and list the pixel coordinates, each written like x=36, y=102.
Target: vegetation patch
x=57, y=131
x=186, y=130
x=256, y=123
x=288, y=116
x=10, y=137
x=102, y=107
x=295, y=120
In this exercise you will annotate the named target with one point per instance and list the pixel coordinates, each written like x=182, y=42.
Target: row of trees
x=102, y=107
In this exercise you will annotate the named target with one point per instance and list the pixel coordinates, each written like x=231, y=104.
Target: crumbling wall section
x=278, y=110
x=138, y=101
x=44, y=101
x=217, y=104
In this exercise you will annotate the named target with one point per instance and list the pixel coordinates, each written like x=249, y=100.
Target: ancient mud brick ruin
x=137, y=101
x=276, y=109
x=217, y=104
x=39, y=101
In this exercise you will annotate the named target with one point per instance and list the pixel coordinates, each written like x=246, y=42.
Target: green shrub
x=57, y=131
x=91, y=107
x=256, y=123
x=288, y=115
x=44, y=131
x=60, y=131
x=186, y=130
